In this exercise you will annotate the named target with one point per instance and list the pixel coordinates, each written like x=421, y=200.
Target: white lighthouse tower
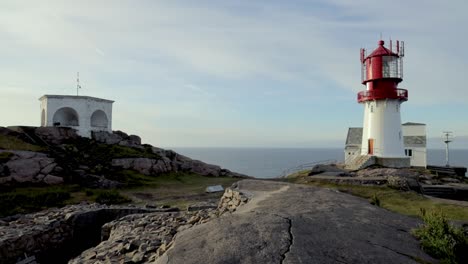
x=382, y=71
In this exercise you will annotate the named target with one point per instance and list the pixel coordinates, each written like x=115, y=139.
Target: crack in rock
x=283, y=256
x=400, y=253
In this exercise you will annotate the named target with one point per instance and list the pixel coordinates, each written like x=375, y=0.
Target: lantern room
x=381, y=72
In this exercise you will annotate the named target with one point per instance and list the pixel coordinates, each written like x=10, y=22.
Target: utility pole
x=448, y=137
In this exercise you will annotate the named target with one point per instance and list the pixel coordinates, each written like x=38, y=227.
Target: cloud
x=225, y=62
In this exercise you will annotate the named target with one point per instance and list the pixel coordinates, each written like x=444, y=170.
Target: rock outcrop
x=29, y=167
x=117, y=137
x=67, y=158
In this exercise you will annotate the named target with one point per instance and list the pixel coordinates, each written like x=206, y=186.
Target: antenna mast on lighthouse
x=78, y=86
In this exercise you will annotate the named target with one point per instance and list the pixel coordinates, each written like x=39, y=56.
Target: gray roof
x=414, y=141
x=74, y=97
x=413, y=124
x=354, y=136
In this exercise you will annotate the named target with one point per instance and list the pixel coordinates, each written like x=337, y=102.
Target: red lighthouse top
x=381, y=72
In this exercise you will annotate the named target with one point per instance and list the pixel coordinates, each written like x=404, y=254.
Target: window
x=409, y=152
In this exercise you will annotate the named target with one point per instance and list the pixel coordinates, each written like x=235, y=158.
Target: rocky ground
x=288, y=223
x=254, y=222
x=403, y=179
x=129, y=234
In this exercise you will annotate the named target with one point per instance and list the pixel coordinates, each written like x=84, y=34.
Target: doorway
x=370, y=145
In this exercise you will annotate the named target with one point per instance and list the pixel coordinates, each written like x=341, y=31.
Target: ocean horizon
x=272, y=162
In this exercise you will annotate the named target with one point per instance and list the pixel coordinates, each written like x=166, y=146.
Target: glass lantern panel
x=390, y=67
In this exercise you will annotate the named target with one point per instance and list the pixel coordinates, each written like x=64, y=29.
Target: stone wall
x=393, y=162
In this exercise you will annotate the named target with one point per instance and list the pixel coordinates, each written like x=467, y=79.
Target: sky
x=208, y=73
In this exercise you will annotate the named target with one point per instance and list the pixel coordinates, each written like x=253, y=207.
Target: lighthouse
x=381, y=72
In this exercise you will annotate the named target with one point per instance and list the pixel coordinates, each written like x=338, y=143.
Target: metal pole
x=447, y=140
x=447, y=154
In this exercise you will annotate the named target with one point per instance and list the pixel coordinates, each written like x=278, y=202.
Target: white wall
x=419, y=157
x=382, y=122
x=84, y=107
x=414, y=130
x=351, y=152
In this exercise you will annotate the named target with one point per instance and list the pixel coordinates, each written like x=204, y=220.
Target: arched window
x=66, y=116
x=99, y=119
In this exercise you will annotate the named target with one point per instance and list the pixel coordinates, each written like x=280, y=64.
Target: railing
x=401, y=94
x=306, y=166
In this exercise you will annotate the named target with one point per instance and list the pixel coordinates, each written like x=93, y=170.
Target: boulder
x=56, y=135
x=214, y=188
x=397, y=182
x=143, y=165
x=134, y=139
x=24, y=170
x=52, y=180
x=326, y=168
x=106, y=137
x=162, y=166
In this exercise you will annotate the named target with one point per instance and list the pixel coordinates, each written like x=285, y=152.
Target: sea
x=274, y=162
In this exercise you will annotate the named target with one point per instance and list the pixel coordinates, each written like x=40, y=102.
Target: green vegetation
x=10, y=142
x=176, y=189
x=375, y=200
x=132, y=178
x=407, y=203
x=25, y=200
x=442, y=240
x=111, y=197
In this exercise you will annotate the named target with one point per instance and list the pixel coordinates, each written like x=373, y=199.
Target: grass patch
x=407, y=203
x=111, y=197
x=26, y=200
x=10, y=142
x=442, y=240
x=132, y=178
x=177, y=189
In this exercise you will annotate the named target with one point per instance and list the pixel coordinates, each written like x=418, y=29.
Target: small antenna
x=448, y=137
x=78, y=86
x=380, y=35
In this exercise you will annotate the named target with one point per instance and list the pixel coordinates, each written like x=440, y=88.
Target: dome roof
x=381, y=51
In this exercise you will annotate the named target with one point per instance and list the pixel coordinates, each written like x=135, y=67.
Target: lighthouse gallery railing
x=401, y=94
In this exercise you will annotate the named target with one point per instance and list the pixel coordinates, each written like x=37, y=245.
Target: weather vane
x=78, y=86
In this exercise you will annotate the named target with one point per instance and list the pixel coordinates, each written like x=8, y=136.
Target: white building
x=414, y=136
x=414, y=139
x=83, y=113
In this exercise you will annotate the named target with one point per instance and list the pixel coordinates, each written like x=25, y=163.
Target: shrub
x=111, y=197
x=375, y=200
x=440, y=239
x=11, y=142
x=33, y=200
